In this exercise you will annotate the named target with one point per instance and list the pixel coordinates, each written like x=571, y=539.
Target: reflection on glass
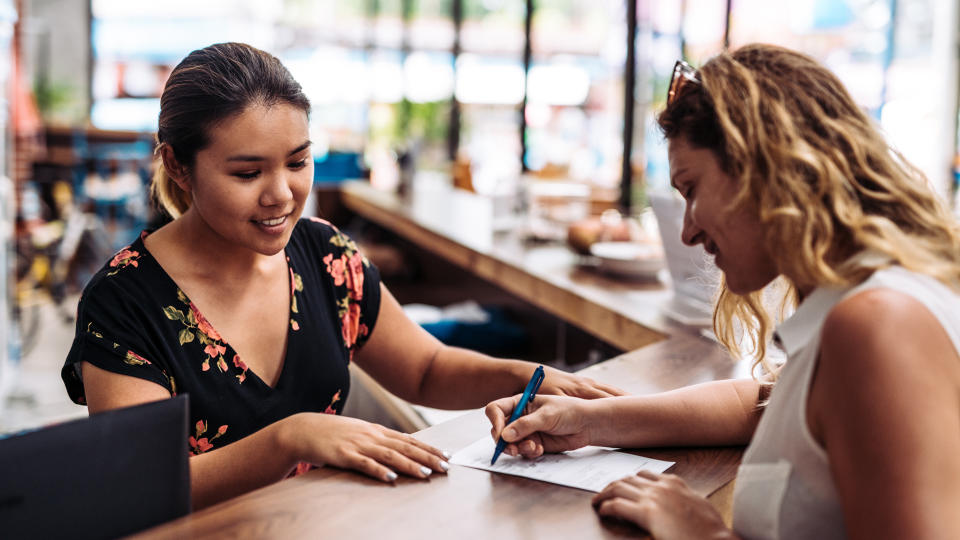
x=575, y=92
x=431, y=25
x=493, y=26
x=388, y=24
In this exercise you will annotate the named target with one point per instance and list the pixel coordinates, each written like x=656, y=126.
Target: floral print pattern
x=296, y=286
x=150, y=329
x=197, y=327
x=347, y=271
x=330, y=409
x=124, y=258
x=198, y=444
x=131, y=359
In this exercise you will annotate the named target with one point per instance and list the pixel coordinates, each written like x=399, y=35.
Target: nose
x=691, y=234
x=277, y=190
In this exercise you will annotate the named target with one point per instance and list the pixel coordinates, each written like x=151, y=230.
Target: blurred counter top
x=459, y=226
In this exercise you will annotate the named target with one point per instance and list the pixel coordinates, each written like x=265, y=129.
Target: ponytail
x=173, y=200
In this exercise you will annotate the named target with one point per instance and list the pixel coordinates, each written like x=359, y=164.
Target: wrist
x=287, y=441
x=593, y=420
x=520, y=372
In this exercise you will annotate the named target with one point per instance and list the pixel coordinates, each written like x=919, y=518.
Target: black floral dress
x=133, y=319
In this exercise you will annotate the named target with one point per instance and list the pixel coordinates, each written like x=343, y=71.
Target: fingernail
x=446, y=454
x=391, y=476
x=510, y=433
x=424, y=470
x=445, y=466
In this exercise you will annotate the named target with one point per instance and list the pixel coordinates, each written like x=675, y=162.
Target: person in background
x=858, y=434
x=256, y=313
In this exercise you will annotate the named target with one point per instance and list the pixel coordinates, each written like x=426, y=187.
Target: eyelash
x=297, y=165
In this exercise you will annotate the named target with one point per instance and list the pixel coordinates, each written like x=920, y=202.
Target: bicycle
x=55, y=258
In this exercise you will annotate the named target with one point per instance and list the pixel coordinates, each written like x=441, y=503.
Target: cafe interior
x=498, y=161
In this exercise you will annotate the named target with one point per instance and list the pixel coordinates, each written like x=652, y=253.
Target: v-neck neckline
x=250, y=373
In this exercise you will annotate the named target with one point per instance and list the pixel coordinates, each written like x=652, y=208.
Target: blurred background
x=497, y=97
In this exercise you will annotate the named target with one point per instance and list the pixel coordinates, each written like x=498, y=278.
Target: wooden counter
x=458, y=226
x=469, y=503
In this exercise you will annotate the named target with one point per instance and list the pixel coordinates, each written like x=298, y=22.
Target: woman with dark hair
x=795, y=192
x=256, y=313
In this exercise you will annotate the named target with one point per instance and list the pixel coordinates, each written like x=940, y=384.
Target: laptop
x=109, y=475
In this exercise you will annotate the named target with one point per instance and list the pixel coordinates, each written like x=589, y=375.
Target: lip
x=276, y=228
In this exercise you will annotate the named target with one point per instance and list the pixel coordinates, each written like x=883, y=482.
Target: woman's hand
x=562, y=383
x=551, y=424
x=348, y=443
x=662, y=504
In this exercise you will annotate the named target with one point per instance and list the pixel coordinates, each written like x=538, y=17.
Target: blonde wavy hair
x=823, y=180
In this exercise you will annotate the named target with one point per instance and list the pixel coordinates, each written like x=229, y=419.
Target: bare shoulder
x=880, y=329
x=884, y=350
x=888, y=373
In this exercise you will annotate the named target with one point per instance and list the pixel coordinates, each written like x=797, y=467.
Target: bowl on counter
x=629, y=259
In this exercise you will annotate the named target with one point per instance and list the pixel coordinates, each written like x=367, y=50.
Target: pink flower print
x=135, y=359
x=336, y=268
x=214, y=350
x=301, y=468
x=294, y=324
x=350, y=325
x=238, y=363
x=205, y=366
x=355, y=264
x=330, y=409
x=319, y=220
x=222, y=364
x=204, y=325
x=125, y=257
x=200, y=446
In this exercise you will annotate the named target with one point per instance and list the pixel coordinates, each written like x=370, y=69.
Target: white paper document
x=590, y=468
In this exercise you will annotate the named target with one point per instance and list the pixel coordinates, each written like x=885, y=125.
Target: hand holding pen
x=551, y=424
x=529, y=393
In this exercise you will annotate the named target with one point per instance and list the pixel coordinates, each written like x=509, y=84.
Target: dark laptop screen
x=108, y=475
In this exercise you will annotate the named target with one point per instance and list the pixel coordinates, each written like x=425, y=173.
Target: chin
x=273, y=247
x=744, y=287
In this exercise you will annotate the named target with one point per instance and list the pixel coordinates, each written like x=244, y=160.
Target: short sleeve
x=356, y=282
x=113, y=332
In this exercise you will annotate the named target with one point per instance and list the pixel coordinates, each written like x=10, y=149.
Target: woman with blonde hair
x=858, y=433
x=256, y=313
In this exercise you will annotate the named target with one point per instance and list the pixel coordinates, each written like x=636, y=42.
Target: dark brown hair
x=207, y=87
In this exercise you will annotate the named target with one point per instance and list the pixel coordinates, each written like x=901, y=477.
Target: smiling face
x=734, y=238
x=249, y=184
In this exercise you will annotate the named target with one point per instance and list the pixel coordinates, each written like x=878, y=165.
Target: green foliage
x=425, y=121
x=53, y=98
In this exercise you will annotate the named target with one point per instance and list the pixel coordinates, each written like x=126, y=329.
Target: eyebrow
x=296, y=150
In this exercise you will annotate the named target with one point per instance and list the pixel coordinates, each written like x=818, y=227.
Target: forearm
x=462, y=379
x=717, y=413
x=257, y=460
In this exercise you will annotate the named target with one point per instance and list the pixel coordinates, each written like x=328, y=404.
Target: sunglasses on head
x=683, y=73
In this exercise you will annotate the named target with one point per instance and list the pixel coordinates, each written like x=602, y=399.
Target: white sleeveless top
x=784, y=488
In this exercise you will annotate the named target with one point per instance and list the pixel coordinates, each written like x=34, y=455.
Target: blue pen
x=528, y=394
